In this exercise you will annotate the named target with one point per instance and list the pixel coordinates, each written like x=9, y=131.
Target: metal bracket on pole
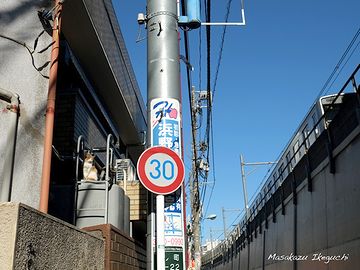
x=282, y=200
x=255, y=227
x=308, y=173
x=242, y=23
x=266, y=219
x=273, y=209
x=293, y=185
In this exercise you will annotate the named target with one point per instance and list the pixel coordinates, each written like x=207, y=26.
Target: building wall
x=19, y=20
x=121, y=251
x=8, y=221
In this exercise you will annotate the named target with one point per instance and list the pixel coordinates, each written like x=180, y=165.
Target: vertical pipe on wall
x=7, y=173
x=50, y=111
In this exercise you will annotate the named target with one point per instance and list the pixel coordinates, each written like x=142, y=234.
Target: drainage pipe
x=50, y=111
x=7, y=174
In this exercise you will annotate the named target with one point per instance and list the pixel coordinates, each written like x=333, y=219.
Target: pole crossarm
x=241, y=23
x=243, y=178
x=233, y=210
x=258, y=163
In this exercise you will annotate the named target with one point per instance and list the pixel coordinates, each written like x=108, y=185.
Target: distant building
x=208, y=245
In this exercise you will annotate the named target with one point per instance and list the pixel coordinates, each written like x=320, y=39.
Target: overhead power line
x=221, y=47
x=338, y=65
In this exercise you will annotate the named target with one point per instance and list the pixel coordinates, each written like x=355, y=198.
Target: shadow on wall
x=34, y=37
x=15, y=12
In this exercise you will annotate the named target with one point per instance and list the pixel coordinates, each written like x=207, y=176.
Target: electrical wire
x=357, y=45
x=200, y=54
x=208, y=81
x=211, y=96
x=194, y=200
x=213, y=168
x=339, y=64
x=221, y=48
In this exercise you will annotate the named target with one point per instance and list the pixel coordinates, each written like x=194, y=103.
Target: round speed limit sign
x=160, y=170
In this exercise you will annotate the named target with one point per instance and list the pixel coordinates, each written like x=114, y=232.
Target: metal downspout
x=7, y=174
x=50, y=111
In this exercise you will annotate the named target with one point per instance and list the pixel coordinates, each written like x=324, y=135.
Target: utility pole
x=224, y=218
x=164, y=112
x=194, y=191
x=243, y=178
x=212, y=248
x=224, y=221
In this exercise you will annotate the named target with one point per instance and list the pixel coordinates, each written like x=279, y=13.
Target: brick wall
x=121, y=252
x=138, y=200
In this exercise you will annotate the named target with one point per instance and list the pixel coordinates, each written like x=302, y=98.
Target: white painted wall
x=19, y=20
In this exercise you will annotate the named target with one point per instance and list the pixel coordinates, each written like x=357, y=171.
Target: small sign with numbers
x=160, y=170
x=174, y=259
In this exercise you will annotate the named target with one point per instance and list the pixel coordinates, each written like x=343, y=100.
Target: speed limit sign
x=160, y=170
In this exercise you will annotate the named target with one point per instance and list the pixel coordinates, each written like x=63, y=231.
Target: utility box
x=91, y=206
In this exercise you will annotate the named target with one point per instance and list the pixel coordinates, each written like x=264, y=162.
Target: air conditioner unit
x=125, y=168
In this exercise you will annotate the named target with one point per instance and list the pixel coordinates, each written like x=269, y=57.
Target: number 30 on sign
x=160, y=170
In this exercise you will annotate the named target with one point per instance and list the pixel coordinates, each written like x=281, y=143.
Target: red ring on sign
x=146, y=181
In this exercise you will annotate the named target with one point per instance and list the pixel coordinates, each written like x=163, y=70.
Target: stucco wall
x=19, y=20
x=8, y=223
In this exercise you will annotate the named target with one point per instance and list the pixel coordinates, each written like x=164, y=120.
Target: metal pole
x=224, y=221
x=243, y=178
x=160, y=236
x=107, y=177
x=163, y=83
x=244, y=186
x=212, y=248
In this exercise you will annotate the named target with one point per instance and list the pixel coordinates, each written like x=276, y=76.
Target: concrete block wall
x=33, y=240
x=121, y=251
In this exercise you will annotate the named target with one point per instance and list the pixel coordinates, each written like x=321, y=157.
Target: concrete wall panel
x=305, y=234
x=244, y=257
x=327, y=220
x=318, y=210
x=343, y=198
x=256, y=253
